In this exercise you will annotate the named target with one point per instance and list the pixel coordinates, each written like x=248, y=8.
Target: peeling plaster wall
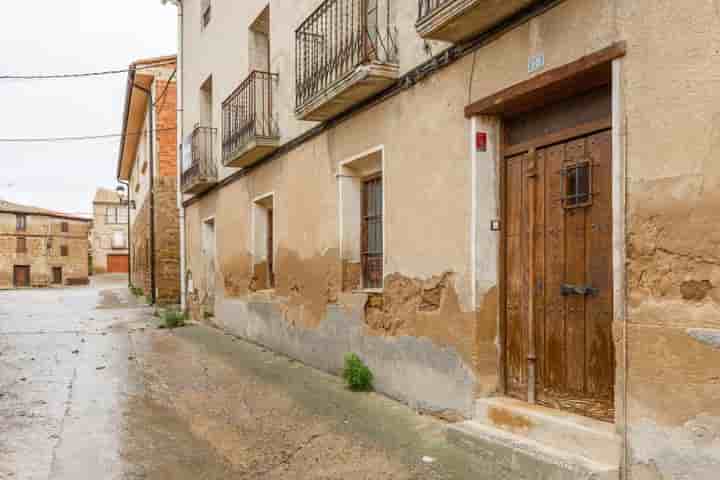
x=670, y=81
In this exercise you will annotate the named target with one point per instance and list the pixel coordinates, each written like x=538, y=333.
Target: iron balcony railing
x=428, y=7
x=336, y=38
x=248, y=113
x=203, y=166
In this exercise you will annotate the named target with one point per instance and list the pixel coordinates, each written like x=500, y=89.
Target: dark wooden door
x=21, y=276
x=57, y=275
x=372, y=232
x=559, y=275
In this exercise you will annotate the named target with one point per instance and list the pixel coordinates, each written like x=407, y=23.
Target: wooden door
x=270, y=248
x=21, y=276
x=57, y=275
x=558, y=268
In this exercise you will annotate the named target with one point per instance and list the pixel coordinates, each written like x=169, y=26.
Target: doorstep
x=530, y=438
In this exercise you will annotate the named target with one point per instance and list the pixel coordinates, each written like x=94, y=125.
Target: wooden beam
x=582, y=74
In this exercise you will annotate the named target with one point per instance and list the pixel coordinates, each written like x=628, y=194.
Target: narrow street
x=90, y=388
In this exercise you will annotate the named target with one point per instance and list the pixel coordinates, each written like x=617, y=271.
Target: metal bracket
x=495, y=225
x=582, y=290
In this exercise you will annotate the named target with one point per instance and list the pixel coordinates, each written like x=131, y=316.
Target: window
x=116, y=216
x=259, y=42
x=264, y=242
x=361, y=221
x=21, y=222
x=372, y=232
x=64, y=227
x=577, y=185
x=64, y=251
x=206, y=13
x=21, y=245
x=119, y=240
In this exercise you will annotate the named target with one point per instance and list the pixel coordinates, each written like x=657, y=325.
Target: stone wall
x=44, y=238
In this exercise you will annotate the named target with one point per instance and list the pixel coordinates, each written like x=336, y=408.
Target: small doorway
x=57, y=276
x=558, y=277
x=21, y=276
x=372, y=232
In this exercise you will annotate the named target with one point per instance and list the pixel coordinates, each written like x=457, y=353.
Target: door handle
x=582, y=290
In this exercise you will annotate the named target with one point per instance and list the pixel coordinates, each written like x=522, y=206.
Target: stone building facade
x=110, y=233
x=507, y=209
x=148, y=163
x=42, y=248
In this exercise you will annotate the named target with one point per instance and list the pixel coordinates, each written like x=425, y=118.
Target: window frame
x=65, y=227
x=21, y=222
x=64, y=251
x=367, y=217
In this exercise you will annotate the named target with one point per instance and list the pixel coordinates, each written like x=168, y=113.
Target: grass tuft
x=357, y=375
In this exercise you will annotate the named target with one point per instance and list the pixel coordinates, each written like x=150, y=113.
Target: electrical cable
x=82, y=75
x=79, y=138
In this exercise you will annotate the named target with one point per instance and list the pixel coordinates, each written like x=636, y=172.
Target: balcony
x=346, y=52
x=201, y=174
x=456, y=20
x=250, y=127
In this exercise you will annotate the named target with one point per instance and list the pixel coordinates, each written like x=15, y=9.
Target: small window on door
x=21, y=245
x=577, y=185
x=372, y=232
x=21, y=222
x=64, y=251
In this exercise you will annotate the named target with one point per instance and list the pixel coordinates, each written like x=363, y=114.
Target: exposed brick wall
x=166, y=135
x=167, y=228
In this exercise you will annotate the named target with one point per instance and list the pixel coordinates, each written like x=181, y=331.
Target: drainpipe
x=151, y=193
x=180, y=136
x=129, y=203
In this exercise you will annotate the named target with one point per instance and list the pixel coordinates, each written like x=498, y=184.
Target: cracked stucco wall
x=670, y=82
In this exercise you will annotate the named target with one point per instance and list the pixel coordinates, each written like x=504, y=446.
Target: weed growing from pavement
x=173, y=319
x=137, y=291
x=357, y=375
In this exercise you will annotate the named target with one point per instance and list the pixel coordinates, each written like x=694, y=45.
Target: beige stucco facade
x=439, y=351
x=110, y=229
x=55, y=247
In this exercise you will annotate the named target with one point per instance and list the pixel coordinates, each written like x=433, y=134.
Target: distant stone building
x=148, y=163
x=40, y=248
x=110, y=233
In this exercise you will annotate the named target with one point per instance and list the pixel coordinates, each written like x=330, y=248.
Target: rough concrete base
x=502, y=455
x=412, y=370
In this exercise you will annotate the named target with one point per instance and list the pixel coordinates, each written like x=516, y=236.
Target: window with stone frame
x=21, y=222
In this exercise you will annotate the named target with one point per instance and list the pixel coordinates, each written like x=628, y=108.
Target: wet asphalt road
x=90, y=388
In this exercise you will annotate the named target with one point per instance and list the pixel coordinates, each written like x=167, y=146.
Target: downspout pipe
x=180, y=135
x=151, y=193
x=129, y=231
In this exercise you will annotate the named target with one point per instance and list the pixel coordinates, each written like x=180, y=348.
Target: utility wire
x=80, y=138
x=82, y=75
x=167, y=85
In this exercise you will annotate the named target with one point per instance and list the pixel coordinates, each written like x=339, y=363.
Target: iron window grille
x=248, y=113
x=203, y=158
x=338, y=37
x=429, y=7
x=372, y=233
x=577, y=185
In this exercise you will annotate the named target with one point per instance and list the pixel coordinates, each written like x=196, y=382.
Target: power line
x=79, y=138
x=82, y=75
x=167, y=85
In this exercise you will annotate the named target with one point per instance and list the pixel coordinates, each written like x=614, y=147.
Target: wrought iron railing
x=336, y=38
x=428, y=7
x=248, y=113
x=203, y=164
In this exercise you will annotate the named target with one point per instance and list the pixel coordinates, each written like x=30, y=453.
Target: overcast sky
x=48, y=36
